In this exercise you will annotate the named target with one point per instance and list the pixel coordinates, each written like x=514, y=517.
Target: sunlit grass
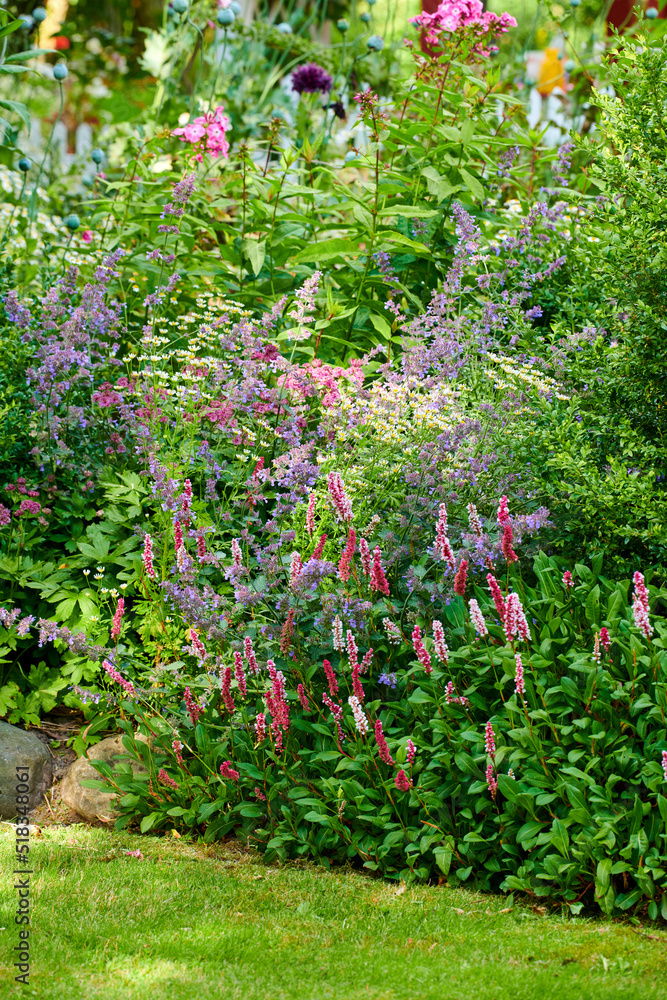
x=189, y=922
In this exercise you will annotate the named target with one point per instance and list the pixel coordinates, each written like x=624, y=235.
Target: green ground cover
x=184, y=922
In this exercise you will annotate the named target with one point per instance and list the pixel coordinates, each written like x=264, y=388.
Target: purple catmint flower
x=477, y=618
x=383, y=749
x=311, y=79
x=389, y=680
x=24, y=625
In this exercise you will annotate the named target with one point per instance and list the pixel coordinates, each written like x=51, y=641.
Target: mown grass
x=192, y=923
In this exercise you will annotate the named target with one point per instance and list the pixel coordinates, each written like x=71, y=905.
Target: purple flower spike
x=310, y=79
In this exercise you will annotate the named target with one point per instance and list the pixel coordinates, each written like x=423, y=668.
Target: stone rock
x=19, y=748
x=90, y=803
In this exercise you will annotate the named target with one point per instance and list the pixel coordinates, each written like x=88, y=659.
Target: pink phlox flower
x=378, y=579
x=402, y=781
x=381, y=742
x=207, y=133
x=227, y=771
x=477, y=618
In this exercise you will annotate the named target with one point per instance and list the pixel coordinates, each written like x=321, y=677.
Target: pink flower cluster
x=346, y=558
x=378, y=579
x=402, y=782
x=383, y=749
x=195, y=711
x=455, y=15
x=165, y=779
x=115, y=676
x=439, y=643
x=442, y=546
x=420, y=650
x=207, y=134
x=477, y=618
x=117, y=618
x=227, y=771
x=640, y=606
x=452, y=698
x=515, y=623
x=339, y=497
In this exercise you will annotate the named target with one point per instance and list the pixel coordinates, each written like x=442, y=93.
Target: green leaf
x=10, y=28
x=473, y=185
x=254, y=251
x=16, y=107
x=326, y=250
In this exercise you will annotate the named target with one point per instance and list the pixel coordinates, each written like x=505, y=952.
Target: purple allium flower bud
x=311, y=79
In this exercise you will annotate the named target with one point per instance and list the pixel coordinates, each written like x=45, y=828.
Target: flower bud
x=343, y=25
x=72, y=222
x=569, y=65
x=236, y=7
x=375, y=43
x=97, y=156
x=651, y=13
x=24, y=164
x=180, y=6
x=60, y=71
x=350, y=155
x=225, y=17
x=284, y=28
x=365, y=17
x=575, y=3
x=39, y=14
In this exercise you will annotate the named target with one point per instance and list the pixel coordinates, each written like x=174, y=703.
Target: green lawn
x=191, y=923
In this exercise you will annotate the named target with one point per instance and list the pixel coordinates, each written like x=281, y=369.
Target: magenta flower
x=568, y=582
x=489, y=740
x=506, y=544
x=339, y=497
x=303, y=698
x=439, y=643
x=346, y=558
x=402, y=782
x=250, y=656
x=195, y=711
x=491, y=781
x=227, y=771
x=365, y=554
x=319, y=548
x=177, y=747
x=178, y=536
x=87, y=236
x=207, y=134
x=393, y=632
x=515, y=623
x=378, y=579
x=383, y=749
x=331, y=678
x=452, y=698
x=237, y=556
x=148, y=556
x=226, y=690
x=460, y=579
x=352, y=650
x=420, y=650
x=497, y=595
x=596, y=648
x=356, y=684
x=165, y=779
x=196, y=643
x=115, y=676
x=605, y=639
x=640, y=606
x=412, y=752
x=503, y=512
x=239, y=674
x=117, y=619
x=260, y=727
x=664, y=763
x=295, y=570
x=286, y=632
x=311, y=79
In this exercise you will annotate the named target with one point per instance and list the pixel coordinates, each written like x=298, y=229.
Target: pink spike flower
x=477, y=618
x=402, y=782
x=148, y=557
x=117, y=619
x=378, y=579
x=383, y=749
